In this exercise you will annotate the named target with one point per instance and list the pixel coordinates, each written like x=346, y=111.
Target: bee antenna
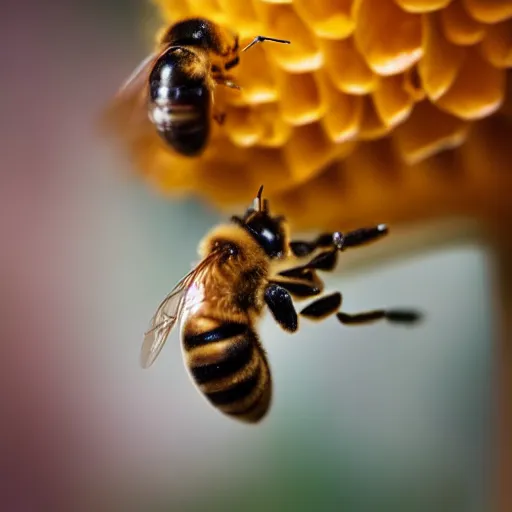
x=261, y=39
x=257, y=200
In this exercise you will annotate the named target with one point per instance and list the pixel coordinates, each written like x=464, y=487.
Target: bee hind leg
x=330, y=304
x=395, y=316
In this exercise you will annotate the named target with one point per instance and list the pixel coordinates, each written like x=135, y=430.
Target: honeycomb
x=379, y=110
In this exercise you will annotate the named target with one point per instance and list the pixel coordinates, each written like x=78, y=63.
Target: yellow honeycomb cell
x=497, y=45
x=378, y=111
x=393, y=103
x=347, y=67
x=300, y=98
x=489, y=11
x=330, y=19
x=477, y=91
x=343, y=117
x=372, y=126
x=388, y=37
x=427, y=130
x=421, y=6
x=459, y=27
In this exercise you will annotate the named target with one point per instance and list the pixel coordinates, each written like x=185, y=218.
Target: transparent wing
x=139, y=76
x=161, y=326
x=168, y=314
x=126, y=115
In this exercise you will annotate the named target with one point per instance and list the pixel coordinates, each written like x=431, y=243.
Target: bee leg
x=230, y=84
x=359, y=236
x=301, y=288
x=338, y=240
x=396, y=316
x=302, y=248
x=330, y=304
x=219, y=117
x=326, y=260
x=281, y=306
x=226, y=81
x=322, y=307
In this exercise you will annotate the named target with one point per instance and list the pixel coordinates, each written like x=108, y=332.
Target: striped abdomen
x=185, y=127
x=180, y=100
x=227, y=363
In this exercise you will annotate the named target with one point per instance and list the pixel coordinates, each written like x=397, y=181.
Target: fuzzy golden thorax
x=236, y=280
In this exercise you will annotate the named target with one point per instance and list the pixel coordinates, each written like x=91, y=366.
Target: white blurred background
x=367, y=418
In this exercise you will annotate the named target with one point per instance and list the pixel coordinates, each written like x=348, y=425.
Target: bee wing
x=168, y=314
x=161, y=326
x=136, y=81
x=127, y=113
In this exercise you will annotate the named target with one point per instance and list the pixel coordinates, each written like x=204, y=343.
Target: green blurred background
x=372, y=418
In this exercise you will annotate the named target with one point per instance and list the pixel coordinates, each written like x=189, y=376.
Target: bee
x=221, y=300
x=174, y=85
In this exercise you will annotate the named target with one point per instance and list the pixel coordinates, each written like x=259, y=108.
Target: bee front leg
x=339, y=241
x=227, y=81
x=219, y=117
x=333, y=243
x=325, y=260
x=330, y=304
x=281, y=306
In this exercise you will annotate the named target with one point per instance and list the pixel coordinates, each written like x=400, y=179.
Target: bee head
x=267, y=230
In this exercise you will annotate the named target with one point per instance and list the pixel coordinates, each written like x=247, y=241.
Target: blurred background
x=369, y=418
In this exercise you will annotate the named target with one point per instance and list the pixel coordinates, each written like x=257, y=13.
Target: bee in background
x=220, y=301
x=174, y=85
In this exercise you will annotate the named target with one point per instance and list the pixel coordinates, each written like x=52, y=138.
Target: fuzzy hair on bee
x=248, y=266
x=172, y=90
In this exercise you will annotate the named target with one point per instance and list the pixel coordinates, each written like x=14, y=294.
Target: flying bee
x=174, y=85
x=221, y=300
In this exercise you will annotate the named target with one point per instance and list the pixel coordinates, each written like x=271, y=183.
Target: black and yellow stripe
x=227, y=363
